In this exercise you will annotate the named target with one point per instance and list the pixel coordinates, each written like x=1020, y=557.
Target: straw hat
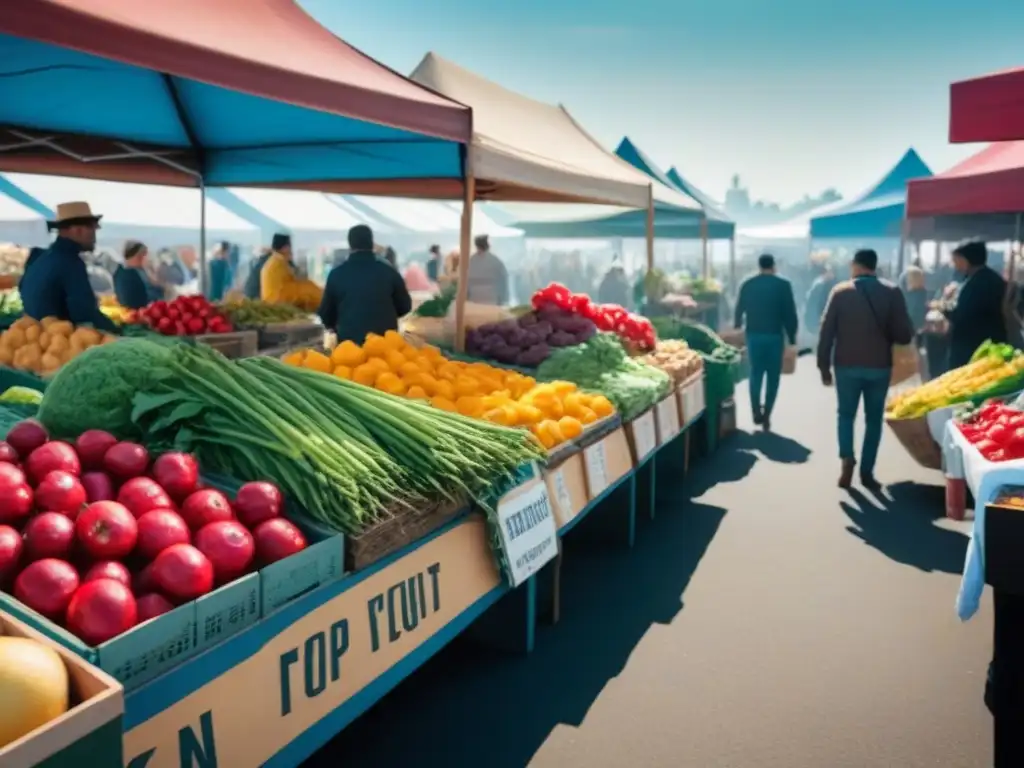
x=69, y=214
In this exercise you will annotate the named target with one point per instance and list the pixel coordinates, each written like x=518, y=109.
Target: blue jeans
x=764, y=351
x=851, y=385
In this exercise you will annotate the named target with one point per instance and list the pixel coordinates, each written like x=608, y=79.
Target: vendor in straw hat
x=57, y=284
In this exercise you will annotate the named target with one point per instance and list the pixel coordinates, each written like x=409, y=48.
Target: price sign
x=696, y=392
x=644, y=437
x=563, y=497
x=668, y=418
x=597, y=468
x=529, y=536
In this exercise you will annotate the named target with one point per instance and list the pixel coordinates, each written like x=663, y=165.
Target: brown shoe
x=846, y=476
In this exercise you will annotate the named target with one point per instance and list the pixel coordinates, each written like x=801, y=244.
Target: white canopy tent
x=20, y=225
x=795, y=229
x=161, y=217
x=427, y=216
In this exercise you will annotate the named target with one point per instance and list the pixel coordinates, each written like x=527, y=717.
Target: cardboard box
x=606, y=462
x=642, y=435
x=88, y=734
x=691, y=400
x=666, y=418
x=567, y=486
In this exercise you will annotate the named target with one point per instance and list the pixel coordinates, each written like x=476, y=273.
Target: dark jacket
x=766, y=303
x=363, y=295
x=130, y=288
x=220, y=279
x=863, y=319
x=57, y=285
x=977, y=315
x=614, y=288
x=252, y=280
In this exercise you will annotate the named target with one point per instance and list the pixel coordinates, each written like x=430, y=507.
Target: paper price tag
x=563, y=498
x=597, y=468
x=528, y=532
x=668, y=418
x=644, y=437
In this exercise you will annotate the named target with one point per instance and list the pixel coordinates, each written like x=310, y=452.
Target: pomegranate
x=109, y=569
x=107, y=530
x=49, y=457
x=61, y=492
x=8, y=454
x=158, y=530
x=126, y=460
x=92, y=445
x=183, y=572
x=257, y=502
x=177, y=473
x=46, y=586
x=25, y=436
x=277, y=539
x=101, y=610
x=50, y=534
x=205, y=507
x=98, y=487
x=152, y=605
x=141, y=495
x=229, y=547
x=10, y=553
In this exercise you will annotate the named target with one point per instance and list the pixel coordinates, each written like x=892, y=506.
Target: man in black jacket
x=766, y=302
x=977, y=313
x=364, y=294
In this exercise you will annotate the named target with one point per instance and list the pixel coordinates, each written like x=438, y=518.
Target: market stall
x=22, y=219
x=987, y=108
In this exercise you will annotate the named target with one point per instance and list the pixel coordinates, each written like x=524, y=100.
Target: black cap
x=867, y=258
x=360, y=238
x=766, y=261
x=280, y=240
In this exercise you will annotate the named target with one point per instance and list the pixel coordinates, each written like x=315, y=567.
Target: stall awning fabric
x=878, y=212
x=979, y=197
x=247, y=92
x=527, y=150
x=158, y=216
x=433, y=217
x=22, y=217
x=711, y=206
x=989, y=108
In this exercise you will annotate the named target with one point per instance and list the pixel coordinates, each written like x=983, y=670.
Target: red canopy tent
x=989, y=108
x=991, y=181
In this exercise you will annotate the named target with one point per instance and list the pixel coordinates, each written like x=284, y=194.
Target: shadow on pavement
x=773, y=446
x=469, y=707
x=899, y=521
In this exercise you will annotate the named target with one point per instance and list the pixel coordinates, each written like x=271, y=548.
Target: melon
x=34, y=687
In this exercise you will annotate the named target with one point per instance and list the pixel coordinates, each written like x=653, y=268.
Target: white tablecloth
x=984, y=478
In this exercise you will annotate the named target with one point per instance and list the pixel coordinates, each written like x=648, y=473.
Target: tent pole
x=704, y=265
x=938, y=256
x=899, y=253
x=202, y=236
x=465, y=243
x=732, y=265
x=1013, y=250
x=650, y=227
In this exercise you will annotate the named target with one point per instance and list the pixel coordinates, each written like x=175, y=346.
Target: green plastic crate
x=10, y=377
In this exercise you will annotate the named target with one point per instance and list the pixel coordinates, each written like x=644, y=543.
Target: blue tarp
x=720, y=226
x=235, y=138
x=878, y=213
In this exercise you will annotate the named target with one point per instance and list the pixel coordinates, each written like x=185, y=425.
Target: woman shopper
x=863, y=319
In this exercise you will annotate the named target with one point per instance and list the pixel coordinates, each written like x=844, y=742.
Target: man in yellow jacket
x=278, y=282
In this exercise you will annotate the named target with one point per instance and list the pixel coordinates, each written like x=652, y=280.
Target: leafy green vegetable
x=95, y=389
x=437, y=306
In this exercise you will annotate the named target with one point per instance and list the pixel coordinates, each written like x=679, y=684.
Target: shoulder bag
x=904, y=356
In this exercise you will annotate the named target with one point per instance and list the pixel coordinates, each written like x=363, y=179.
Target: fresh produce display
x=437, y=306
x=994, y=370
x=10, y=303
x=675, y=358
x=184, y=316
x=118, y=314
x=554, y=412
x=21, y=396
x=602, y=365
x=11, y=414
x=634, y=330
x=43, y=346
x=698, y=337
x=347, y=454
x=242, y=312
x=84, y=550
x=996, y=430
x=527, y=341
x=1010, y=496
x=35, y=687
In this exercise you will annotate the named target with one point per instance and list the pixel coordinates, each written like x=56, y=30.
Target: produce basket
x=401, y=529
x=431, y=330
x=297, y=333
x=904, y=363
x=234, y=345
x=916, y=438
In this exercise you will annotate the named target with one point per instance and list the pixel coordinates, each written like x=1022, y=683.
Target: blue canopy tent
x=144, y=93
x=878, y=212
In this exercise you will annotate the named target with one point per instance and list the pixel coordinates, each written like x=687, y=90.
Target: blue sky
x=793, y=95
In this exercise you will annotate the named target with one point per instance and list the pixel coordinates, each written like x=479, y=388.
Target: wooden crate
x=293, y=334
x=234, y=345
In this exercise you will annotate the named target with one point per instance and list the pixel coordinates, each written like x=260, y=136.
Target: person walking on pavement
x=766, y=310
x=864, y=318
